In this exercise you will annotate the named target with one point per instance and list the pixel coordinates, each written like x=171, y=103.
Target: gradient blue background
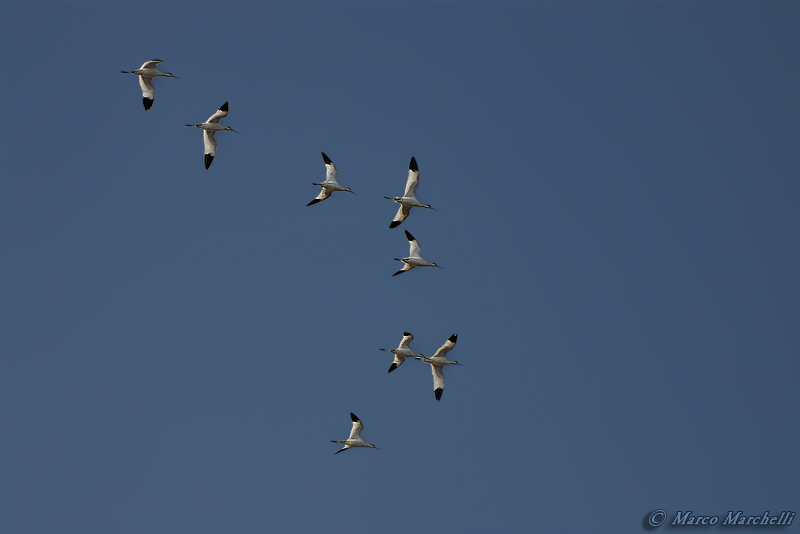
x=617, y=186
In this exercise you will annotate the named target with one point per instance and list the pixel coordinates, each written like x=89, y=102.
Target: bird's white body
x=402, y=352
x=330, y=184
x=211, y=127
x=146, y=73
x=414, y=258
x=439, y=360
x=409, y=198
x=355, y=439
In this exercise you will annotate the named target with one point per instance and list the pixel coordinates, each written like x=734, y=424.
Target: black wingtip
x=395, y=224
x=209, y=159
x=398, y=272
x=326, y=159
x=453, y=338
x=392, y=367
x=353, y=417
x=224, y=107
x=438, y=393
x=313, y=202
x=406, y=333
x=409, y=236
x=148, y=103
x=412, y=166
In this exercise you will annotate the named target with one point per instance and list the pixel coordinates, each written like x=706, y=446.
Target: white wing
x=209, y=142
x=221, y=113
x=414, y=249
x=402, y=213
x=448, y=345
x=406, y=340
x=413, y=179
x=325, y=193
x=148, y=89
x=438, y=377
x=406, y=267
x=331, y=172
x=355, y=433
x=150, y=64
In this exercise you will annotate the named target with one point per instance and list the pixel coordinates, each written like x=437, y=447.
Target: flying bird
x=413, y=259
x=409, y=198
x=146, y=73
x=402, y=352
x=210, y=127
x=355, y=439
x=330, y=184
x=439, y=360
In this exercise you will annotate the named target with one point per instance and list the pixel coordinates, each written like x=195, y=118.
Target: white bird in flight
x=439, y=360
x=402, y=352
x=330, y=184
x=409, y=198
x=210, y=127
x=355, y=439
x=413, y=259
x=146, y=73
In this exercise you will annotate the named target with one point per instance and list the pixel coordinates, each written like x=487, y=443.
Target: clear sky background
x=617, y=195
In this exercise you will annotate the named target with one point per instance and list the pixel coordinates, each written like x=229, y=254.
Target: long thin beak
x=388, y=198
x=234, y=131
x=351, y=192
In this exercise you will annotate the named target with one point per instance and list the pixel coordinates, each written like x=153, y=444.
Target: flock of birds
x=403, y=351
x=330, y=185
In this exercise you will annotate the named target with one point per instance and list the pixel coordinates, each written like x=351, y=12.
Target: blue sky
x=617, y=196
